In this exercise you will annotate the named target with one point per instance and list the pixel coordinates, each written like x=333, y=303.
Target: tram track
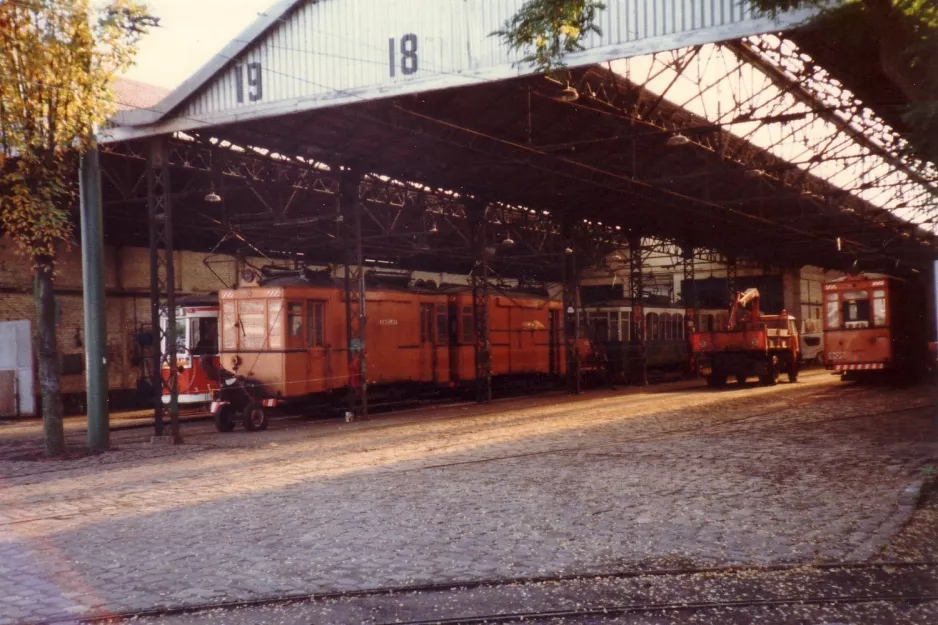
x=917, y=578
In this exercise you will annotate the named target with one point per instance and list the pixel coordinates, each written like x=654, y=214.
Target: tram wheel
x=254, y=417
x=225, y=419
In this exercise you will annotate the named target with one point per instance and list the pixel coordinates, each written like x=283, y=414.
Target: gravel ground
x=677, y=476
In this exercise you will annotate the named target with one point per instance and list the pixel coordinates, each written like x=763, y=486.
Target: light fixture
x=840, y=245
x=753, y=173
x=905, y=234
x=434, y=229
x=568, y=251
x=212, y=198
x=568, y=94
x=508, y=242
x=677, y=140
x=914, y=270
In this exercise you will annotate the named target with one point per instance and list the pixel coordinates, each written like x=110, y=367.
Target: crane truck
x=751, y=344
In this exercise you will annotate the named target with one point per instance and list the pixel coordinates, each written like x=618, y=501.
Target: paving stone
x=594, y=485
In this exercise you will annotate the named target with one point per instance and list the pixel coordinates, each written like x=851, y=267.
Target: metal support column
x=571, y=308
x=689, y=295
x=355, y=302
x=638, y=370
x=479, y=280
x=162, y=290
x=731, y=272
x=95, y=317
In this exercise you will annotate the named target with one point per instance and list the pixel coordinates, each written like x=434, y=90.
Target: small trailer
x=751, y=344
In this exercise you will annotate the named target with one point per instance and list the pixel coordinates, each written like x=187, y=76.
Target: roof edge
x=218, y=60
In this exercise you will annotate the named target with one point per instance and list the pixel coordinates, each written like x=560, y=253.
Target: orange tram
x=285, y=344
x=875, y=325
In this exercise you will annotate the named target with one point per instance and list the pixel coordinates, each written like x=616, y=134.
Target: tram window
x=203, y=335
x=229, y=329
x=275, y=324
x=665, y=332
x=833, y=315
x=467, y=324
x=442, y=333
x=251, y=322
x=295, y=319
x=314, y=324
x=856, y=309
x=597, y=326
x=625, y=325
x=651, y=326
x=879, y=308
x=678, y=326
x=426, y=323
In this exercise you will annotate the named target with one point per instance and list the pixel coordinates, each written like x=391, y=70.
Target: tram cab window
x=833, y=311
x=879, y=308
x=856, y=309
x=203, y=336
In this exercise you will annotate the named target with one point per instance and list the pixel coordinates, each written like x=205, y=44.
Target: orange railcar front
x=874, y=322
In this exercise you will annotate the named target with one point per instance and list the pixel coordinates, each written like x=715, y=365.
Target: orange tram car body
x=875, y=324
x=286, y=344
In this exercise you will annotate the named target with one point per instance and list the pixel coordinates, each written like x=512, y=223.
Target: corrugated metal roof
x=307, y=54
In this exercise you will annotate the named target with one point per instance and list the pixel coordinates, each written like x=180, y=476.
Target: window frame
x=315, y=324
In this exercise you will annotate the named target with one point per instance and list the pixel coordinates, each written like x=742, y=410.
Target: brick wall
x=127, y=280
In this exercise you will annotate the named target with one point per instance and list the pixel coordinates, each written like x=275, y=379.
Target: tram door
x=317, y=358
x=453, y=335
x=553, y=349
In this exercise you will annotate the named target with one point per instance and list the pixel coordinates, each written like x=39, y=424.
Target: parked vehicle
x=608, y=326
x=875, y=324
x=196, y=350
x=751, y=344
x=812, y=341
x=285, y=344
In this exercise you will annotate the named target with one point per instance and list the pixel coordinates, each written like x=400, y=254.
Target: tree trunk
x=48, y=354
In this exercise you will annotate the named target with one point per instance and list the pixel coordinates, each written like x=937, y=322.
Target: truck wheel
x=225, y=419
x=716, y=379
x=254, y=417
x=770, y=377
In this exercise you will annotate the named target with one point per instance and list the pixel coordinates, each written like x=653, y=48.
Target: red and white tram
x=196, y=349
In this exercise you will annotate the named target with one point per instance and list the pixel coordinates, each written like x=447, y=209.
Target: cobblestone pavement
x=545, y=486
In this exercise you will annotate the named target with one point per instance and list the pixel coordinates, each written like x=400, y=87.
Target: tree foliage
x=58, y=61
x=906, y=32
x=547, y=30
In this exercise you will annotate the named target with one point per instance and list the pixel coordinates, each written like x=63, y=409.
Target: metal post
x=638, y=370
x=571, y=308
x=355, y=300
x=479, y=280
x=732, y=270
x=95, y=306
x=162, y=290
x=689, y=295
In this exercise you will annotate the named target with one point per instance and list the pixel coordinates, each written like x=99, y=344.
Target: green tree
x=58, y=61
x=906, y=32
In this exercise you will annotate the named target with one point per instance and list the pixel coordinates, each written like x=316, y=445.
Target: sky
x=190, y=32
